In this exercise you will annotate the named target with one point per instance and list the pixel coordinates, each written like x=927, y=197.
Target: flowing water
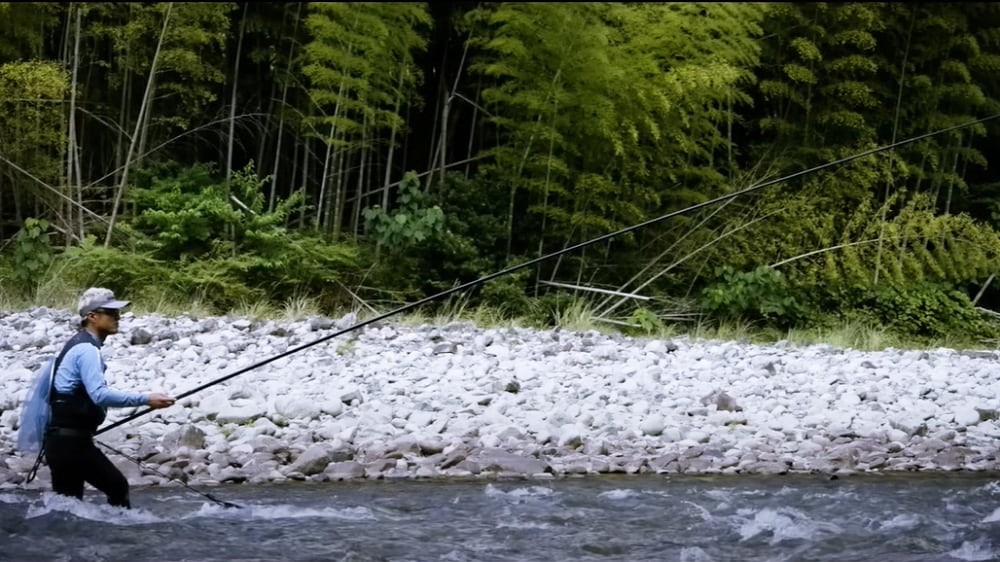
x=938, y=517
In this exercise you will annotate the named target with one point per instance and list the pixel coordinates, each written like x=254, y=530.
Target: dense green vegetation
x=238, y=156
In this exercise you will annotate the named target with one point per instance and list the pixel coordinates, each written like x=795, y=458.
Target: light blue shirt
x=83, y=364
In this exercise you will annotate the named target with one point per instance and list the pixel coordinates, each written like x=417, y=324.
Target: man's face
x=104, y=320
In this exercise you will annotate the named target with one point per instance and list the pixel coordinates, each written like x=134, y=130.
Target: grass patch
x=299, y=308
x=165, y=303
x=255, y=310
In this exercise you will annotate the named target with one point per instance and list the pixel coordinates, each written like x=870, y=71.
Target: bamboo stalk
x=895, y=129
x=72, y=157
x=596, y=290
x=232, y=101
x=142, y=113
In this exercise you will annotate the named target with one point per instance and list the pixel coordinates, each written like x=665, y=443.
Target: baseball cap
x=97, y=297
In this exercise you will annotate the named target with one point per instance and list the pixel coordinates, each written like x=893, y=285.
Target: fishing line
x=141, y=466
x=539, y=259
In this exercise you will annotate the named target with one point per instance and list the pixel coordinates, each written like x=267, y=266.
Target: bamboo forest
x=364, y=155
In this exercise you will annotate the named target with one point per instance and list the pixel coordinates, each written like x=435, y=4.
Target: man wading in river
x=80, y=398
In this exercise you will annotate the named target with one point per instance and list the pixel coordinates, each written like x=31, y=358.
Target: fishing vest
x=75, y=409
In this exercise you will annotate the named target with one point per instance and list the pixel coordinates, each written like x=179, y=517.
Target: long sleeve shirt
x=83, y=364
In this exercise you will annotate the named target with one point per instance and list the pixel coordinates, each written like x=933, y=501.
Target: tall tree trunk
x=272, y=198
x=269, y=113
x=392, y=143
x=230, y=228
x=356, y=211
x=545, y=199
x=895, y=129
x=324, y=178
x=472, y=131
x=125, y=109
x=305, y=179
x=72, y=159
x=329, y=148
x=232, y=101
x=951, y=181
x=292, y=178
x=146, y=100
x=339, y=195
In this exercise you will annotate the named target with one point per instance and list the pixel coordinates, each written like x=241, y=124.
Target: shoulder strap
x=79, y=338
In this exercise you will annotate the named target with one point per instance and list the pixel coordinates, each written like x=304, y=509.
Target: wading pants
x=74, y=459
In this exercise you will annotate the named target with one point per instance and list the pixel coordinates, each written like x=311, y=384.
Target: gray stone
x=445, y=347
x=347, y=470
x=378, y=468
x=498, y=460
x=346, y=321
x=453, y=458
x=312, y=461
x=189, y=436
x=723, y=402
x=320, y=323
x=141, y=336
x=349, y=397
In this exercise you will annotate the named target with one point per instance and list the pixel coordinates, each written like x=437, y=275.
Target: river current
x=901, y=517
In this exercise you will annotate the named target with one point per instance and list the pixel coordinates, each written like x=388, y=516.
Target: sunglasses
x=114, y=313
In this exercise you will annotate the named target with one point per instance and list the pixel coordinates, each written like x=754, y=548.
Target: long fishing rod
x=539, y=259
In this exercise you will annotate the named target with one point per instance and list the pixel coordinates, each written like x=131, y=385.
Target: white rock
x=966, y=416
x=653, y=425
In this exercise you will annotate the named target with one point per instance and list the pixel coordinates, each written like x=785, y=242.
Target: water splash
x=695, y=554
x=993, y=517
x=992, y=488
x=618, y=494
x=12, y=498
x=358, y=513
x=899, y=522
x=785, y=524
x=973, y=551
x=529, y=492
x=705, y=514
x=522, y=525
x=56, y=503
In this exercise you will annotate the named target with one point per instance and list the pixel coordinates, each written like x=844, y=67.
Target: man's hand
x=157, y=401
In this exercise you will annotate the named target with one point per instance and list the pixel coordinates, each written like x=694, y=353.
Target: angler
x=79, y=397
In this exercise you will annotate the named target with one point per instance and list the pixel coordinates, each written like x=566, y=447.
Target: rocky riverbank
x=457, y=401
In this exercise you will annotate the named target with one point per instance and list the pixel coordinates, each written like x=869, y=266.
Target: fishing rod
x=540, y=259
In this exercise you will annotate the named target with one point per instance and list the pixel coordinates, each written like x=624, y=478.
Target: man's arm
x=92, y=375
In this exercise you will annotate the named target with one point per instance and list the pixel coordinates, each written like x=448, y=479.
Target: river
x=898, y=517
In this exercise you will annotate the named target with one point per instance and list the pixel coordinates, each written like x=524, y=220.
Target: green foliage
x=918, y=309
x=32, y=254
x=124, y=272
x=236, y=252
x=360, y=62
x=508, y=294
x=23, y=29
x=191, y=63
x=182, y=212
x=471, y=243
x=413, y=221
x=648, y=322
x=32, y=125
x=762, y=294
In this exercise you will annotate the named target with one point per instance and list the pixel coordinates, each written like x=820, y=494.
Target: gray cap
x=96, y=297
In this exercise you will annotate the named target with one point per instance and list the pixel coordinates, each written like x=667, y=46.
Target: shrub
x=759, y=295
x=920, y=309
